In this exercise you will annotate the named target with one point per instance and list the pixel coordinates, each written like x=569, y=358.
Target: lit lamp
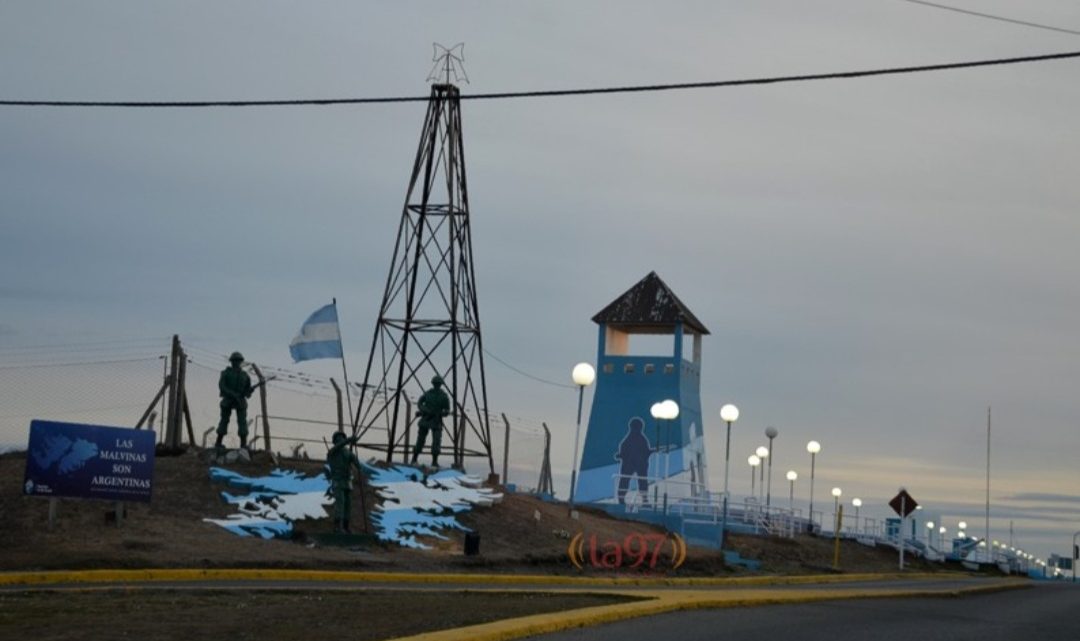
x=770, y=433
x=792, y=476
x=813, y=447
x=762, y=453
x=665, y=411
x=857, y=502
x=836, y=493
x=729, y=414
x=963, y=526
x=583, y=375
x=656, y=411
x=754, y=460
x=929, y=532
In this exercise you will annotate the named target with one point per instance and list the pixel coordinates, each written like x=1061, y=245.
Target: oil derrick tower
x=429, y=321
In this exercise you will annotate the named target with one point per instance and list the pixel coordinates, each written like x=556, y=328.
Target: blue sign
x=89, y=462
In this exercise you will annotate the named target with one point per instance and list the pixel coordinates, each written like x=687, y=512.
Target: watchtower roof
x=649, y=307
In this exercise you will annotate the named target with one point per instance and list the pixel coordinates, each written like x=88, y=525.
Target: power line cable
x=990, y=16
x=551, y=93
x=526, y=374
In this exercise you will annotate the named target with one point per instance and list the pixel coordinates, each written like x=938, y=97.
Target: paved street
x=1046, y=612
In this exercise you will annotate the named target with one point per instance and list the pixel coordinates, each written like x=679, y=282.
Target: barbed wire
x=34, y=365
x=116, y=391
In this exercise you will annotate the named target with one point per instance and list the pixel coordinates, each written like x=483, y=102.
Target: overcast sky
x=878, y=259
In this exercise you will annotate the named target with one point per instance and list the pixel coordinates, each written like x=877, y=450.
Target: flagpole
x=344, y=370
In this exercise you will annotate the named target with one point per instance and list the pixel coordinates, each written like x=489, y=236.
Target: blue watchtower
x=626, y=450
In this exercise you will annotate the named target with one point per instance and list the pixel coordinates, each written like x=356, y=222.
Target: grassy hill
x=170, y=532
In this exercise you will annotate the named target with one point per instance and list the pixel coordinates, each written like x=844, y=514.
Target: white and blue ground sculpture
x=412, y=505
x=273, y=502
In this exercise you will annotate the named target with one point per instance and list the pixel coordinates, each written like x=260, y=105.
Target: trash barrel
x=472, y=543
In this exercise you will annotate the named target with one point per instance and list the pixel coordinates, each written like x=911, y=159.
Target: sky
x=879, y=260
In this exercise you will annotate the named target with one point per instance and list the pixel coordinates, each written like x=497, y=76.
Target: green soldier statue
x=235, y=389
x=340, y=462
x=433, y=405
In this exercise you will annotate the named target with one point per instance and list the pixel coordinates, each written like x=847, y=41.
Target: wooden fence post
x=262, y=403
x=506, y=450
x=173, y=402
x=340, y=410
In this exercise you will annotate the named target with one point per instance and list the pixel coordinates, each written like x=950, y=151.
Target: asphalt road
x=1045, y=612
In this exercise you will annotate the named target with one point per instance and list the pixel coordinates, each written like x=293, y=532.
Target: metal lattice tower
x=429, y=321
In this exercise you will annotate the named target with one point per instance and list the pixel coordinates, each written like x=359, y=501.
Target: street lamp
x=729, y=414
x=763, y=453
x=813, y=447
x=792, y=475
x=930, y=533
x=836, y=493
x=754, y=460
x=656, y=411
x=665, y=411
x=770, y=433
x=583, y=375
x=857, y=502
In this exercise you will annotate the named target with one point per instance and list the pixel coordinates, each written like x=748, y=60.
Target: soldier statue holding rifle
x=433, y=405
x=235, y=388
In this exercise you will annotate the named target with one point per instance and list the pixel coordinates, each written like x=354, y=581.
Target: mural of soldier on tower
x=633, y=456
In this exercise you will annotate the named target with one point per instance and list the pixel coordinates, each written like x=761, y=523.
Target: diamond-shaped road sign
x=903, y=504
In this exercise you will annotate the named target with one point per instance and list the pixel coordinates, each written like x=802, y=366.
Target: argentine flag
x=319, y=337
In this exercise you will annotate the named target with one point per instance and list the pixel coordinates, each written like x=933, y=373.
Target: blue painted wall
x=626, y=388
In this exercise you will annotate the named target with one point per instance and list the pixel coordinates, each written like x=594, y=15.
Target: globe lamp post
x=813, y=447
x=763, y=454
x=754, y=460
x=583, y=375
x=836, y=493
x=792, y=476
x=729, y=414
x=770, y=433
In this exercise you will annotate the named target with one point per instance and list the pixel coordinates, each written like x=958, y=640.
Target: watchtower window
x=628, y=368
x=650, y=368
x=609, y=368
x=669, y=368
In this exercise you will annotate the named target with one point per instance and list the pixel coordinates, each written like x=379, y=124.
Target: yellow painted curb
x=254, y=574
x=661, y=602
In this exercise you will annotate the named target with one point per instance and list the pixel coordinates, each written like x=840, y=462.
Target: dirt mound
x=170, y=532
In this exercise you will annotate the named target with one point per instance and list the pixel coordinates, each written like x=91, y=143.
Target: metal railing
x=694, y=503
